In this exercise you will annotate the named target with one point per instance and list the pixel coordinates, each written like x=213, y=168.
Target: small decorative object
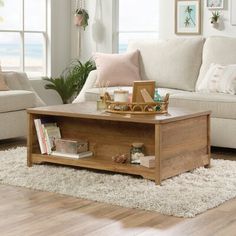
x=103, y=87
x=121, y=96
x=107, y=96
x=188, y=17
x=157, y=98
x=120, y=158
x=148, y=161
x=140, y=85
x=233, y=12
x=81, y=15
x=146, y=96
x=138, y=108
x=101, y=103
x=215, y=18
x=136, y=152
x=81, y=18
x=71, y=146
x=215, y=4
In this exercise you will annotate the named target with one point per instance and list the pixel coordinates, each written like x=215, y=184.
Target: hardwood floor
x=26, y=212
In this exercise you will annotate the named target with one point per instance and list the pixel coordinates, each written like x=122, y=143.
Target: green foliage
x=66, y=88
x=85, y=16
x=71, y=81
x=215, y=16
x=189, y=18
x=187, y=22
x=78, y=72
x=188, y=10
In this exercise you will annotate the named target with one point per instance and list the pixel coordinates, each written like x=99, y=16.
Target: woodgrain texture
x=32, y=213
x=184, y=146
x=88, y=110
x=179, y=142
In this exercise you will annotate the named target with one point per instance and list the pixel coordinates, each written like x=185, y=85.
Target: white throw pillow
x=20, y=81
x=219, y=79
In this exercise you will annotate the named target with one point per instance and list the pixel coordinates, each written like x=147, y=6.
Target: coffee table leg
x=30, y=140
x=158, y=154
x=209, y=140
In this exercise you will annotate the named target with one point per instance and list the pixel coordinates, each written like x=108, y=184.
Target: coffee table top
x=89, y=110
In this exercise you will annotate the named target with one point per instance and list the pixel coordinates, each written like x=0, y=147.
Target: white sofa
x=177, y=66
x=13, y=105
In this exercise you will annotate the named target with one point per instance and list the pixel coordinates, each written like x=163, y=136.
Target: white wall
x=167, y=19
x=88, y=45
x=59, y=36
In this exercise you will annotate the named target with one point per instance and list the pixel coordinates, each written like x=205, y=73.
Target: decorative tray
x=138, y=107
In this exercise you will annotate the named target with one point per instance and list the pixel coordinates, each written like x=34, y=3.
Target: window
x=137, y=20
x=23, y=36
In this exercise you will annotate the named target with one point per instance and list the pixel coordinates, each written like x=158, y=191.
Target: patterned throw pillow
x=219, y=79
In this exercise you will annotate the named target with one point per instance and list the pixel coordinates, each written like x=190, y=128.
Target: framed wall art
x=215, y=4
x=188, y=16
x=233, y=12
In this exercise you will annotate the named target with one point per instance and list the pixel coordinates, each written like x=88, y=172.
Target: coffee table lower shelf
x=97, y=163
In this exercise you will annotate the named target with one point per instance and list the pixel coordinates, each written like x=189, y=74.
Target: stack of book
x=51, y=143
x=47, y=133
x=73, y=156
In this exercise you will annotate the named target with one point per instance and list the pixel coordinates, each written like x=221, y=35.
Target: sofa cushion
x=93, y=93
x=218, y=50
x=171, y=63
x=14, y=100
x=221, y=105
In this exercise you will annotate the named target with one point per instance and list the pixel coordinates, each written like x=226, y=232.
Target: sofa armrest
x=20, y=81
x=90, y=82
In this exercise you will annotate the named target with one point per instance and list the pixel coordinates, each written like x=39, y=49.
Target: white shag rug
x=184, y=196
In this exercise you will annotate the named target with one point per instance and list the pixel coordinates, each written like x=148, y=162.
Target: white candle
x=121, y=96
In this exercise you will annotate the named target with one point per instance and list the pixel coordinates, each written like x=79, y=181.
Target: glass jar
x=136, y=151
x=101, y=103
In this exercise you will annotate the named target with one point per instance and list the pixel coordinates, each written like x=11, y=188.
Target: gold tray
x=138, y=108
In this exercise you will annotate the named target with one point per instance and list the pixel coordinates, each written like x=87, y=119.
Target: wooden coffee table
x=180, y=140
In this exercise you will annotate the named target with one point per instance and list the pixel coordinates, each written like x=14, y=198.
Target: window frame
x=22, y=33
x=117, y=31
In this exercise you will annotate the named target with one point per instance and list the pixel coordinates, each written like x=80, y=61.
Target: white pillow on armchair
x=219, y=79
x=20, y=81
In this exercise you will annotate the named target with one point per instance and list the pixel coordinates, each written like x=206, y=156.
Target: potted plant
x=81, y=18
x=215, y=18
x=71, y=81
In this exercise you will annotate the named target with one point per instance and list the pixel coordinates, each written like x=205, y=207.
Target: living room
x=118, y=117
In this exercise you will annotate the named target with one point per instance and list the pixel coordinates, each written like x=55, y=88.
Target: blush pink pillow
x=117, y=69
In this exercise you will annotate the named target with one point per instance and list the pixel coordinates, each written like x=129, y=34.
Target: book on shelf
x=40, y=136
x=51, y=133
x=47, y=133
x=72, y=156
